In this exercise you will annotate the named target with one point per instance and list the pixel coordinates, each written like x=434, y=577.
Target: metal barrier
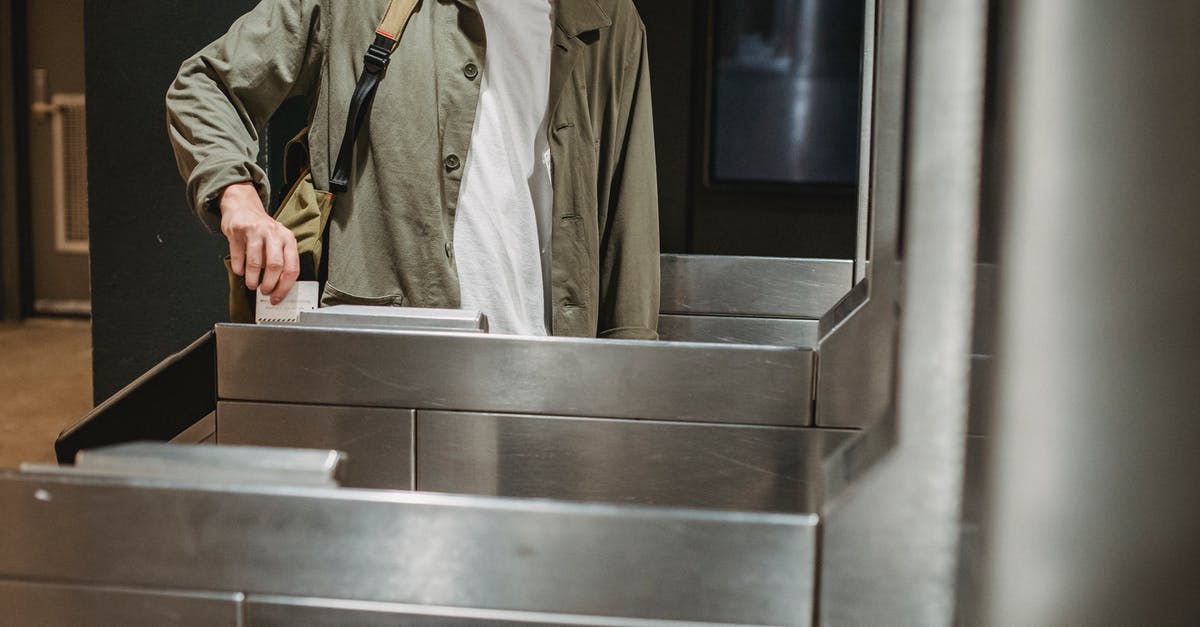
x=634, y=421
x=139, y=549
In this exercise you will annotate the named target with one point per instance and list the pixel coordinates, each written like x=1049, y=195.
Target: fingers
x=291, y=268
x=237, y=255
x=254, y=258
x=273, y=255
x=261, y=250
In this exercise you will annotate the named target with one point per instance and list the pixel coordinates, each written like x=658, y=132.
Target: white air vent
x=70, y=173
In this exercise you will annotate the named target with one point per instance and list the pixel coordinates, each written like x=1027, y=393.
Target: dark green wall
x=157, y=278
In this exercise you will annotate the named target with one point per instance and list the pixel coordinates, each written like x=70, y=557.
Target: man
x=507, y=164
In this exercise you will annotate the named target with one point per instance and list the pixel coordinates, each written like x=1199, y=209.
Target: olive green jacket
x=391, y=233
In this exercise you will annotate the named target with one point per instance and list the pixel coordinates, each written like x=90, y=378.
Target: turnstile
x=137, y=544
x=686, y=423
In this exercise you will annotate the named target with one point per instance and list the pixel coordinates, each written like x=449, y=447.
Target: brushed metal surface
x=1094, y=518
x=891, y=540
x=479, y=372
x=856, y=373
x=866, y=116
x=752, y=286
x=738, y=330
x=971, y=555
x=982, y=395
x=26, y=604
x=377, y=442
x=733, y=467
x=406, y=318
x=275, y=611
x=405, y=547
x=236, y=464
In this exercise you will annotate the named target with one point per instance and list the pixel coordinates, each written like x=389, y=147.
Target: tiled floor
x=45, y=385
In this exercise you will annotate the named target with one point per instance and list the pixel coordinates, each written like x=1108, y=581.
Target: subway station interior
x=928, y=348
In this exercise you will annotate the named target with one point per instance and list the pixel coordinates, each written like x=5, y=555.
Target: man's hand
x=258, y=245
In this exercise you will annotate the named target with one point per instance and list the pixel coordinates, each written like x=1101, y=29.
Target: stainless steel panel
x=399, y=318
x=984, y=328
x=746, y=468
x=477, y=372
x=752, y=286
x=982, y=395
x=862, y=228
x=200, y=433
x=62, y=605
x=377, y=442
x=405, y=547
x=1094, y=518
x=735, y=330
x=267, y=611
x=856, y=368
x=845, y=464
x=231, y=464
x=891, y=540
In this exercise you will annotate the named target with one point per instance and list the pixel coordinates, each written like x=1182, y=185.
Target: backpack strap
x=387, y=38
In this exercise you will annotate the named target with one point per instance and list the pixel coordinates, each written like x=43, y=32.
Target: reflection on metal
x=203, y=432
x=733, y=467
x=866, y=144
x=983, y=331
x=399, y=318
x=277, y=611
x=737, y=330
x=227, y=464
x=854, y=457
x=752, y=286
x=982, y=394
x=397, y=547
x=1094, y=517
x=748, y=300
x=479, y=372
x=54, y=605
x=786, y=85
x=855, y=380
x=891, y=540
x=377, y=442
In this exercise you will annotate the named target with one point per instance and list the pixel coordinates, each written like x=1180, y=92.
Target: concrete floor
x=45, y=385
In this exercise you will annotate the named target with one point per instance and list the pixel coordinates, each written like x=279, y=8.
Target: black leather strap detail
x=375, y=65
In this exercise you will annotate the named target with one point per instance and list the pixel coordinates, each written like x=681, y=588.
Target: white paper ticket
x=303, y=296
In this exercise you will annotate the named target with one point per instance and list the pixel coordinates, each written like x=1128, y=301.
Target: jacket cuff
x=208, y=182
x=628, y=333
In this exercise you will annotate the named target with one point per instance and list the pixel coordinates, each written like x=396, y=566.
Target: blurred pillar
x=1094, y=515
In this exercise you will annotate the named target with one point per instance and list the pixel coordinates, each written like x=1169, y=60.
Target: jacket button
x=471, y=71
x=453, y=162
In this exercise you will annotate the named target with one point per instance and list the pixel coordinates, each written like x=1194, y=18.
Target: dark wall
x=157, y=277
x=704, y=218
x=670, y=33
x=10, y=258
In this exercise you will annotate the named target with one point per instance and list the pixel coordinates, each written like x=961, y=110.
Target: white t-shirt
x=502, y=227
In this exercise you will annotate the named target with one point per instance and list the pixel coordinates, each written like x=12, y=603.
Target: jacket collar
x=574, y=17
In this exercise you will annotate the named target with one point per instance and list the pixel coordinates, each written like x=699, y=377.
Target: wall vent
x=69, y=134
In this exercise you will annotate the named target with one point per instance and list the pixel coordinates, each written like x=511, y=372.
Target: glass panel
x=786, y=90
